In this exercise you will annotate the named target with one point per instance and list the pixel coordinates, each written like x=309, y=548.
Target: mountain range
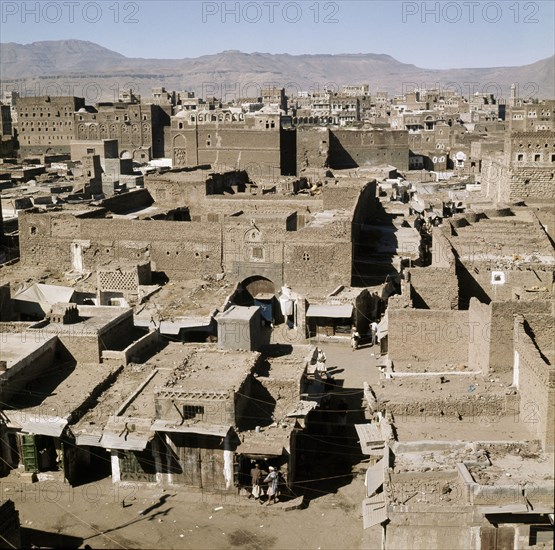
x=76, y=67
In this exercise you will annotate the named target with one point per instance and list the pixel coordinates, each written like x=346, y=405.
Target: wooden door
x=137, y=466
x=29, y=452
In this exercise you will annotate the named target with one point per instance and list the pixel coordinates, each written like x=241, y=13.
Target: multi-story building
x=255, y=141
x=532, y=117
x=137, y=127
x=46, y=123
x=525, y=169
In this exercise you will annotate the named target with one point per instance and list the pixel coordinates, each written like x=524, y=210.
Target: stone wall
x=494, y=177
x=316, y=260
x=133, y=353
x=117, y=333
x=428, y=336
x=434, y=287
x=532, y=181
x=308, y=258
x=542, y=329
x=536, y=385
x=312, y=148
x=501, y=330
x=180, y=249
x=426, y=534
x=234, y=146
x=178, y=189
x=526, y=169
x=479, y=321
x=254, y=250
x=350, y=148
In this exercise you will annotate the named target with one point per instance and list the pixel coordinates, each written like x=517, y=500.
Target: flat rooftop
x=471, y=428
x=511, y=238
x=87, y=326
x=60, y=391
x=15, y=346
x=141, y=402
x=238, y=313
x=204, y=368
x=285, y=362
x=466, y=408
x=128, y=382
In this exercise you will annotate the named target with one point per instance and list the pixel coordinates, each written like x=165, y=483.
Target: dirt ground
x=57, y=516
x=103, y=515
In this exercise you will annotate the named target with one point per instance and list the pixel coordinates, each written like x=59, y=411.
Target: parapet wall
x=536, y=384
x=29, y=367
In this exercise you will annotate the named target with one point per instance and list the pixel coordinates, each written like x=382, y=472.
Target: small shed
x=240, y=327
x=329, y=319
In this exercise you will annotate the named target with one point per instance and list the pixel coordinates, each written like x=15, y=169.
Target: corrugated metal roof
x=504, y=509
x=302, y=408
x=262, y=444
x=198, y=428
x=370, y=437
x=173, y=327
x=38, y=424
x=383, y=327
x=374, y=510
x=339, y=311
x=128, y=441
x=374, y=478
x=131, y=434
x=91, y=440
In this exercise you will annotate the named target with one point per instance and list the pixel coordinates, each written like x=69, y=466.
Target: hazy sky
x=432, y=34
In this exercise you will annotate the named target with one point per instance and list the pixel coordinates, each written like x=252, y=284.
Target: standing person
x=321, y=362
x=256, y=476
x=355, y=337
x=374, y=329
x=272, y=479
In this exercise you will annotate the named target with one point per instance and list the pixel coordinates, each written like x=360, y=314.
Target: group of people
x=265, y=483
x=355, y=335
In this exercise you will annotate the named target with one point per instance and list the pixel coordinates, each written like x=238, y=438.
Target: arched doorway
x=260, y=291
x=259, y=286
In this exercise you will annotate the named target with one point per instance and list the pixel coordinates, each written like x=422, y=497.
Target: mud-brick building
x=352, y=147
x=7, y=139
x=307, y=244
x=46, y=124
x=531, y=117
x=524, y=171
x=170, y=420
x=189, y=416
x=258, y=142
x=138, y=127
x=52, y=372
x=491, y=267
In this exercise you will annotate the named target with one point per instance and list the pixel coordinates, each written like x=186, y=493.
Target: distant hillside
x=92, y=71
